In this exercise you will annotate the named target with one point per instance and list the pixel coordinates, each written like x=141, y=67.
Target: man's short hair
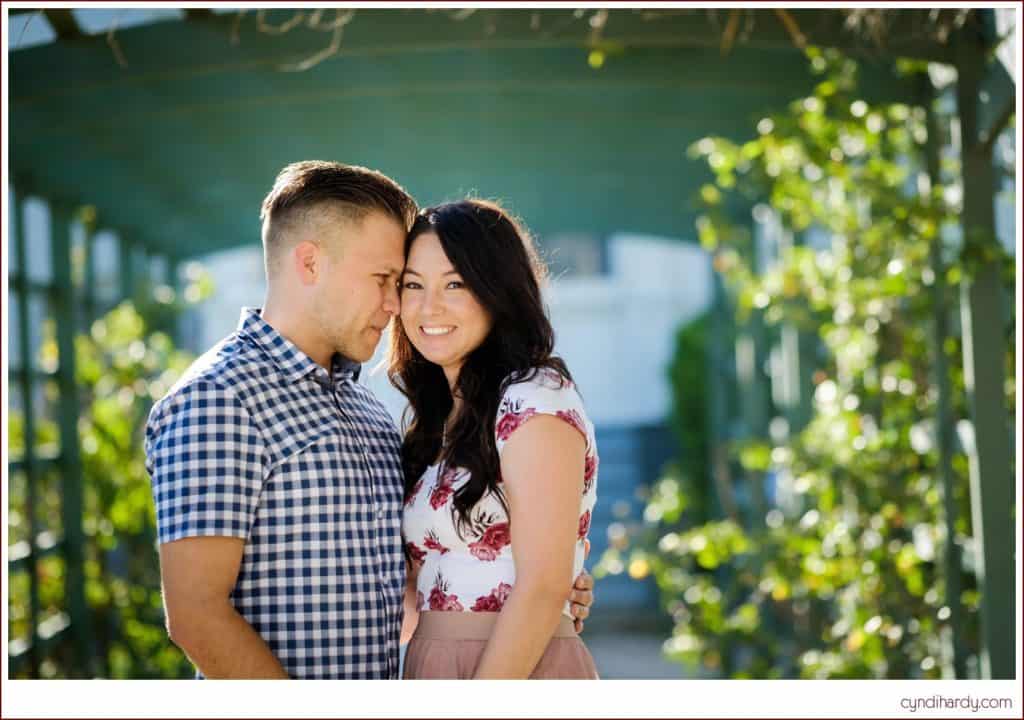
x=316, y=185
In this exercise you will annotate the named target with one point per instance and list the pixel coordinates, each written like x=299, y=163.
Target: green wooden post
x=71, y=464
x=797, y=348
x=753, y=400
x=174, y=282
x=984, y=355
x=753, y=408
x=718, y=403
x=126, y=267
x=25, y=385
x=943, y=413
x=89, y=282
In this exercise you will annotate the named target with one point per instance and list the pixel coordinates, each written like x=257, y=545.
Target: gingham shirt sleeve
x=205, y=458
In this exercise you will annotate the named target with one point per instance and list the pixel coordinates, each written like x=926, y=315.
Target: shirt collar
x=344, y=369
x=292, y=362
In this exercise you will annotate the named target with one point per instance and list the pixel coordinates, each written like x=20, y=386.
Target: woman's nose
x=432, y=303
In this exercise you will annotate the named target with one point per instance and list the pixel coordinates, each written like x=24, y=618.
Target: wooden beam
x=906, y=36
x=64, y=24
x=198, y=14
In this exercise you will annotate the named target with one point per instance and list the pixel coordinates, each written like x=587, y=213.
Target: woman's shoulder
x=545, y=384
x=543, y=391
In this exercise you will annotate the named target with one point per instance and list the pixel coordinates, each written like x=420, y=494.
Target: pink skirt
x=448, y=646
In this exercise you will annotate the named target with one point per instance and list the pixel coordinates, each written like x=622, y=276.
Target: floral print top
x=476, y=573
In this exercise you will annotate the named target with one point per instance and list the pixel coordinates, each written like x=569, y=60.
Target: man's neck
x=288, y=322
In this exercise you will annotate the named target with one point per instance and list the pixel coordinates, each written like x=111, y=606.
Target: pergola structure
x=170, y=133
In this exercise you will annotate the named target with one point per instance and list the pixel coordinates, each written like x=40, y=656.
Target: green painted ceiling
x=177, y=149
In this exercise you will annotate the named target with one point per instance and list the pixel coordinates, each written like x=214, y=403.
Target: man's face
x=358, y=294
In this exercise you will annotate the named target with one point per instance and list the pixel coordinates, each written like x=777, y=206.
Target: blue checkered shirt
x=259, y=442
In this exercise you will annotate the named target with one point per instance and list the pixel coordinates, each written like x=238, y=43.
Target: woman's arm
x=542, y=469
x=411, y=615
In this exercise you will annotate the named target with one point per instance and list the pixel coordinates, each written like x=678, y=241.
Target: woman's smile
x=436, y=330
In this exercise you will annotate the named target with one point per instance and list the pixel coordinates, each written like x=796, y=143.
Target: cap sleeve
x=547, y=393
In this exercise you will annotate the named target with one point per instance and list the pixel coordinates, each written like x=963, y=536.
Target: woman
x=499, y=457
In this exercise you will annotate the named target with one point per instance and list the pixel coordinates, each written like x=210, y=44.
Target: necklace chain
x=444, y=434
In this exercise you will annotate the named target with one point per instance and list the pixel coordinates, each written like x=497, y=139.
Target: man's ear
x=308, y=262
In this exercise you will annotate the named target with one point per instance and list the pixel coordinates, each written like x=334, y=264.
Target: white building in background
x=615, y=329
x=239, y=281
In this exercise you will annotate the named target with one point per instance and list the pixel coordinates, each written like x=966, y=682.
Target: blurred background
x=782, y=246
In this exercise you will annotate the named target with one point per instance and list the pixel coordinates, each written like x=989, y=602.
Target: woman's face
x=441, y=317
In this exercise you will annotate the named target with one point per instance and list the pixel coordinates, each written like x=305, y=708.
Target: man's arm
x=198, y=574
x=204, y=511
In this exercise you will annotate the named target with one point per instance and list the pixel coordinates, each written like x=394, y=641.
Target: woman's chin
x=434, y=358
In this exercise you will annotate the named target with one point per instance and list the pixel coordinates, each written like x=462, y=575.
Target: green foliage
x=122, y=366
x=122, y=369
x=688, y=378
x=843, y=576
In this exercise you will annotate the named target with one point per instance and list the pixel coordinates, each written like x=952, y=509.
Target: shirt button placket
x=382, y=599
x=381, y=584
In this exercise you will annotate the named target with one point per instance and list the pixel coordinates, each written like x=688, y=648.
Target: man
x=276, y=475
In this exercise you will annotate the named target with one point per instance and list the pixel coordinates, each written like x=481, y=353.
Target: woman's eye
x=410, y=285
x=455, y=285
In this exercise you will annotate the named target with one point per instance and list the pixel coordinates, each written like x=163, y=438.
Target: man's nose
x=392, y=301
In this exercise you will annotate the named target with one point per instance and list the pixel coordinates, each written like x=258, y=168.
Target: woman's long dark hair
x=500, y=266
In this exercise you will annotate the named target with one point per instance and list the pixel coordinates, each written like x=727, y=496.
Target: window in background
x=574, y=254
